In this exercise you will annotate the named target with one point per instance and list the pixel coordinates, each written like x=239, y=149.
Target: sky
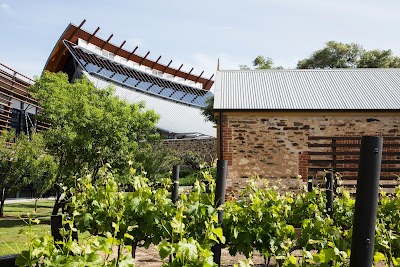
x=198, y=33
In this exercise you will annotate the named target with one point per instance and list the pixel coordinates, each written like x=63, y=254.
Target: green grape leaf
x=165, y=249
x=378, y=256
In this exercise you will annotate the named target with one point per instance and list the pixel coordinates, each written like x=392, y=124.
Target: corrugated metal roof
x=338, y=89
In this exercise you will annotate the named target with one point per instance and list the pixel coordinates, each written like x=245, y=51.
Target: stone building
x=286, y=123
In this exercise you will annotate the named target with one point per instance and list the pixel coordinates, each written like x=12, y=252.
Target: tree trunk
x=2, y=199
x=133, y=253
x=36, y=200
x=1, y=208
x=57, y=204
x=119, y=254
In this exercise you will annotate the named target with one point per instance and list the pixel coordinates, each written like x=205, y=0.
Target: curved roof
x=107, y=69
x=335, y=89
x=72, y=33
x=175, y=117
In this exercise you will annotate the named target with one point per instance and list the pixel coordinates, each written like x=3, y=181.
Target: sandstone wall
x=275, y=147
x=205, y=147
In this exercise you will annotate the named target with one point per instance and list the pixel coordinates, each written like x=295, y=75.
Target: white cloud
x=4, y=6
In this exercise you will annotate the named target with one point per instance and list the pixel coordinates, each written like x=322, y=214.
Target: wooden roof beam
x=205, y=87
x=140, y=63
x=73, y=33
x=108, y=40
x=119, y=48
x=199, y=76
x=166, y=67
x=93, y=34
x=83, y=22
x=176, y=71
x=187, y=74
x=132, y=53
x=155, y=62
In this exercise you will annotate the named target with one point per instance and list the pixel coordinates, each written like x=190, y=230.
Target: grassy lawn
x=10, y=241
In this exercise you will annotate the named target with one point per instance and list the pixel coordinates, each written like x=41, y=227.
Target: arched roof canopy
x=60, y=54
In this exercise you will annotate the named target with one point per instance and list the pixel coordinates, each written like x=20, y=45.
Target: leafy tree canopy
x=261, y=63
x=208, y=110
x=379, y=59
x=23, y=161
x=339, y=55
x=90, y=127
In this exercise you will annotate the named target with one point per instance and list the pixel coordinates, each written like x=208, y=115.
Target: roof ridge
x=314, y=70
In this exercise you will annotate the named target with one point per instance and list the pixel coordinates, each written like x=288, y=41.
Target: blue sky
x=197, y=33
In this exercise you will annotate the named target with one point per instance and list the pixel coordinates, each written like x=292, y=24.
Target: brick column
x=303, y=164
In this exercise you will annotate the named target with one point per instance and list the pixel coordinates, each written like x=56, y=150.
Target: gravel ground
x=150, y=258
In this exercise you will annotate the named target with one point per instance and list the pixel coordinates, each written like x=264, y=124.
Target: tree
x=156, y=159
x=262, y=63
x=333, y=55
x=208, y=110
x=45, y=171
x=90, y=127
x=338, y=55
x=379, y=59
x=23, y=162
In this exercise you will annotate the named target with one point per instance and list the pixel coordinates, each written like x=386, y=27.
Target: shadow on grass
x=30, y=205
x=8, y=223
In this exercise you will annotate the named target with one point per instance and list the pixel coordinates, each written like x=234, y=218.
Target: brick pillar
x=303, y=164
x=226, y=138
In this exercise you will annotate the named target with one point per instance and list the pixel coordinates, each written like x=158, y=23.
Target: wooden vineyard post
x=369, y=168
x=310, y=183
x=329, y=194
x=220, y=191
x=56, y=224
x=175, y=186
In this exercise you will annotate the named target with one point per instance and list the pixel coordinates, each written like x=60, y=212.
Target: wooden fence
x=341, y=154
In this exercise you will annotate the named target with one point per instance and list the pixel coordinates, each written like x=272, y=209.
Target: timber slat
x=348, y=138
x=344, y=145
x=341, y=153
x=314, y=169
x=350, y=161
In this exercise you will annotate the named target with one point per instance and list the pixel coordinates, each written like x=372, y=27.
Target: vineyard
x=290, y=229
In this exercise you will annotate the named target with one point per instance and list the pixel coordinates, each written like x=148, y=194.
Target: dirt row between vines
x=150, y=258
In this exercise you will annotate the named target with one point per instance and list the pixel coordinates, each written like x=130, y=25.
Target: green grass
x=21, y=209
x=11, y=242
x=15, y=221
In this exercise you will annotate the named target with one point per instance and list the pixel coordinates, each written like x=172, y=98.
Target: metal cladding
x=336, y=89
x=177, y=118
x=17, y=107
